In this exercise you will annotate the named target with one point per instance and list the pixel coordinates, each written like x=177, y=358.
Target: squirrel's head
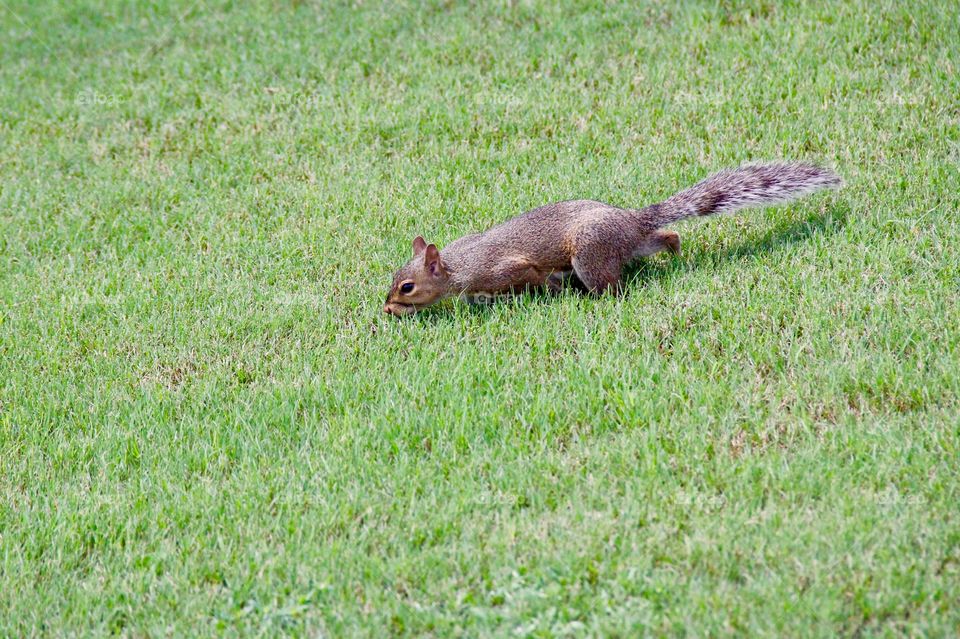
x=421, y=282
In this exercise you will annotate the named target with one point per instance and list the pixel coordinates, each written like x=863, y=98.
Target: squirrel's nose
x=386, y=309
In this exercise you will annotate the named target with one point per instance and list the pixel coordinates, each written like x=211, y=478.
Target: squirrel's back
x=545, y=232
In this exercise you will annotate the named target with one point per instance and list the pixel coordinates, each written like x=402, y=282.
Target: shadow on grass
x=645, y=270
x=775, y=239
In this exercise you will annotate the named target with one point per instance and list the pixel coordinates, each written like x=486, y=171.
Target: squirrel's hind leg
x=598, y=270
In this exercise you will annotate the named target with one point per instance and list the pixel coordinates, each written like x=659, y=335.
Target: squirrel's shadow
x=773, y=239
x=644, y=270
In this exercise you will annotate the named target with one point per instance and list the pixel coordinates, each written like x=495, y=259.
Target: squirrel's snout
x=397, y=310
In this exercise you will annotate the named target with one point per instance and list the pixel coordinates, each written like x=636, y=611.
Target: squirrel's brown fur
x=585, y=238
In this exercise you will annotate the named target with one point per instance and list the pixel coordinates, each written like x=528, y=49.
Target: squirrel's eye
x=406, y=287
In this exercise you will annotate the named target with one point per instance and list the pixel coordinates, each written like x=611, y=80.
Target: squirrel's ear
x=432, y=261
x=418, y=245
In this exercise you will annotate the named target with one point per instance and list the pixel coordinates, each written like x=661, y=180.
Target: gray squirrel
x=584, y=238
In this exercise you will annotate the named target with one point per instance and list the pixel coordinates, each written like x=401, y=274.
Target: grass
x=208, y=426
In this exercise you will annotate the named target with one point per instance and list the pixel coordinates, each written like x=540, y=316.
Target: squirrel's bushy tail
x=747, y=186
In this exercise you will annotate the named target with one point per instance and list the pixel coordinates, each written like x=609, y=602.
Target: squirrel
x=585, y=239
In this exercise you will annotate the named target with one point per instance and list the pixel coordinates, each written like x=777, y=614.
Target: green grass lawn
x=208, y=426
